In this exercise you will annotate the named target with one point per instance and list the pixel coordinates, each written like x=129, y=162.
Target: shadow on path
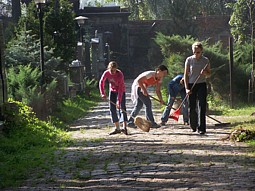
x=167, y=158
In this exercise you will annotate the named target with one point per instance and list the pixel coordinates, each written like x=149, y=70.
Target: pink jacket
x=116, y=82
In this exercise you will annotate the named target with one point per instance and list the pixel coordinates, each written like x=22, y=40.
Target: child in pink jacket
x=117, y=96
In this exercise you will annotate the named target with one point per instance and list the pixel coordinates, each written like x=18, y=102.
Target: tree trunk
x=16, y=10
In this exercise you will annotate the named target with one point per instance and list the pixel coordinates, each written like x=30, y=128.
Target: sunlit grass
x=28, y=145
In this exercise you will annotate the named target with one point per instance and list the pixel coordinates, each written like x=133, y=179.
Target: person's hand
x=145, y=93
x=188, y=91
x=103, y=97
x=117, y=105
x=162, y=102
x=203, y=72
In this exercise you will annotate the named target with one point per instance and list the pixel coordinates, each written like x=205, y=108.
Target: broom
x=140, y=122
x=175, y=115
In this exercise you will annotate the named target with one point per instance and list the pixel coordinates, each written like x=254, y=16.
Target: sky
x=84, y=3
x=4, y=1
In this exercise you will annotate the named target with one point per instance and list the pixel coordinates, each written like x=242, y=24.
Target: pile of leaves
x=241, y=135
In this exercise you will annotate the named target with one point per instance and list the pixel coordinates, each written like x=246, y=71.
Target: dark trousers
x=197, y=105
x=121, y=114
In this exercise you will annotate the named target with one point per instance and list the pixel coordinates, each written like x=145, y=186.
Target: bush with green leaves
x=24, y=50
x=58, y=27
x=24, y=85
x=26, y=144
x=24, y=75
x=176, y=49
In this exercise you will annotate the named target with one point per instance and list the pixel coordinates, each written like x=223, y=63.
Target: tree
x=181, y=12
x=242, y=27
x=242, y=20
x=165, y=9
x=24, y=50
x=59, y=28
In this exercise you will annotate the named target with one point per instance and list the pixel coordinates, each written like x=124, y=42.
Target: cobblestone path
x=167, y=158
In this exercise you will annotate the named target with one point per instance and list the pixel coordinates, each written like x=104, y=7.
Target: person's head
x=162, y=71
x=197, y=49
x=112, y=67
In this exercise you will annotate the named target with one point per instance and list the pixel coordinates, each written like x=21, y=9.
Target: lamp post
x=82, y=21
x=39, y=4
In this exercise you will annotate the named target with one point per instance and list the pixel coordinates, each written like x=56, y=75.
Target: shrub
x=175, y=49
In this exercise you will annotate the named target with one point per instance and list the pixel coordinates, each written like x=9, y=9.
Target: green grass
x=74, y=108
x=239, y=116
x=28, y=144
x=24, y=149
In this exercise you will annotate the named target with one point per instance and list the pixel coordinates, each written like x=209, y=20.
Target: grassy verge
x=241, y=117
x=28, y=144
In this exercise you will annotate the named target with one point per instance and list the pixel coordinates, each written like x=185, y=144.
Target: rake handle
x=160, y=102
x=187, y=95
x=116, y=106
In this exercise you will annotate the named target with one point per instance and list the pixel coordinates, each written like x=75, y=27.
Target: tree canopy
x=242, y=19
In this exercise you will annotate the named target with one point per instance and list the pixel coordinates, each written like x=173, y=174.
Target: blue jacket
x=174, y=86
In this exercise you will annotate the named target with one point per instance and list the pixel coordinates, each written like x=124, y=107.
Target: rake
x=175, y=115
x=140, y=122
x=219, y=123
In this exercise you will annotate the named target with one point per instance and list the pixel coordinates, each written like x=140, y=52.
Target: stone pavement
x=167, y=158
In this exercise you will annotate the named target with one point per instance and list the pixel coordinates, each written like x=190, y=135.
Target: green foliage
x=181, y=10
x=28, y=20
x=23, y=75
x=242, y=53
x=174, y=44
x=241, y=134
x=216, y=104
x=76, y=107
x=59, y=27
x=91, y=83
x=23, y=83
x=59, y=23
x=174, y=64
x=24, y=50
x=175, y=49
x=241, y=20
x=26, y=144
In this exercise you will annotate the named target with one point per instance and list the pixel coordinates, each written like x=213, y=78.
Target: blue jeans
x=197, y=104
x=170, y=102
x=113, y=110
x=142, y=99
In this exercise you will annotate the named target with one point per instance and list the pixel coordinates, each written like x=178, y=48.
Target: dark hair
x=162, y=68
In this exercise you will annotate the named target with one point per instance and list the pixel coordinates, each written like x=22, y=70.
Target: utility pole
x=231, y=63
x=251, y=11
